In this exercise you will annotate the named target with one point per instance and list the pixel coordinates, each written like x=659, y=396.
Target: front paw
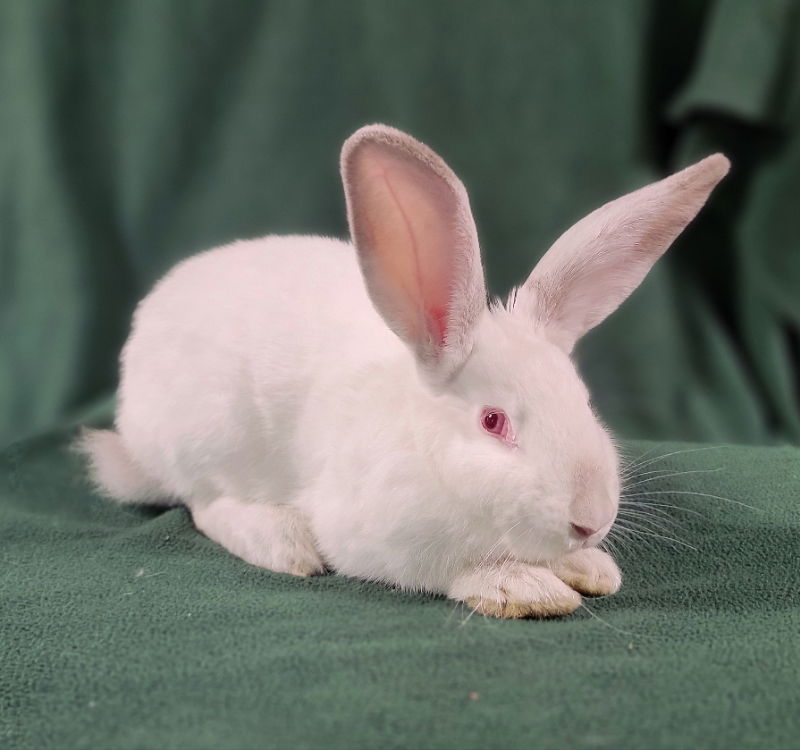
x=590, y=571
x=514, y=589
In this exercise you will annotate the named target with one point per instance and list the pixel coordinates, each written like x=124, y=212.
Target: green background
x=133, y=134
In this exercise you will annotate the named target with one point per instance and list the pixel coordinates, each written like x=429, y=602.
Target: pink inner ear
x=438, y=318
x=416, y=241
x=408, y=241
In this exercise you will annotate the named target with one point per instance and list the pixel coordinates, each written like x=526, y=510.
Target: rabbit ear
x=413, y=230
x=593, y=267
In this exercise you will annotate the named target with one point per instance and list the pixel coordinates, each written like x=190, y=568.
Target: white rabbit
x=361, y=407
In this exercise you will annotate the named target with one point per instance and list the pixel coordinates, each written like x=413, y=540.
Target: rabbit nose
x=583, y=532
x=591, y=517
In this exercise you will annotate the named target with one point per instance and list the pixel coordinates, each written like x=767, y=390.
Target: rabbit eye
x=496, y=422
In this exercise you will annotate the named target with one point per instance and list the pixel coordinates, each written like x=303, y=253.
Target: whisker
x=668, y=475
x=699, y=494
x=637, y=508
x=672, y=540
x=485, y=558
x=605, y=622
x=624, y=537
x=669, y=471
x=637, y=461
x=680, y=453
x=625, y=501
x=657, y=522
x=607, y=546
x=456, y=606
x=626, y=507
x=469, y=616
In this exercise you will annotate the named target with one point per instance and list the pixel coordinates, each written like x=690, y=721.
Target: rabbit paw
x=590, y=571
x=275, y=537
x=515, y=589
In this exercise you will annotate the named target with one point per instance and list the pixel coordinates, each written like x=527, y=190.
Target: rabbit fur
x=320, y=404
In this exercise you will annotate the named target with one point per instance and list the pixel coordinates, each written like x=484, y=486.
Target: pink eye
x=496, y=422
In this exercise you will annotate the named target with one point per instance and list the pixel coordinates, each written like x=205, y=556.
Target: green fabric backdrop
x=136, y=132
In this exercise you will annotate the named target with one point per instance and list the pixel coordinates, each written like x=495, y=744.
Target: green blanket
x=125, y=628
x=136, y=132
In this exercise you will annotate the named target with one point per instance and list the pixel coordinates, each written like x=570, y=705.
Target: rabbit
x=365, y=408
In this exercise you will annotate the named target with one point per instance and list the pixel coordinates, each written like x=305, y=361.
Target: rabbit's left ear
x=593, y=267
x=413, y=231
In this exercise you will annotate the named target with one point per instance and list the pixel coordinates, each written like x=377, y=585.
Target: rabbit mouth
x=581, y=537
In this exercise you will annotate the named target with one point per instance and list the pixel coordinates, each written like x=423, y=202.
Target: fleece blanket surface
x=125, y=628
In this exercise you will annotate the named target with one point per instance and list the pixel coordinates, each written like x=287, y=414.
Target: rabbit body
x=259, y=373
x=224, y=356
x=246, y=364
x=319, y=404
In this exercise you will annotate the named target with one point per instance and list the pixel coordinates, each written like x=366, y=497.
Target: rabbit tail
x=114, y=472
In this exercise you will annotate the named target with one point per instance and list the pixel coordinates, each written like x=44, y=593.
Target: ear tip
x=396, y=145
x=709, y=170
x=718, y=164
x=374, y=133
x=376, y=130
x=702, y=176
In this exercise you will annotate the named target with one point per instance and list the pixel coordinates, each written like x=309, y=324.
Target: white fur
x=114, y=471
x=303, y=421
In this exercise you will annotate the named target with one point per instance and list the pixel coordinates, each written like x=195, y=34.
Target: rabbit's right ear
x=413, y=230
x=596, y=264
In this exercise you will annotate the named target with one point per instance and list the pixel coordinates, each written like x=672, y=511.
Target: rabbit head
x=507, y=420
